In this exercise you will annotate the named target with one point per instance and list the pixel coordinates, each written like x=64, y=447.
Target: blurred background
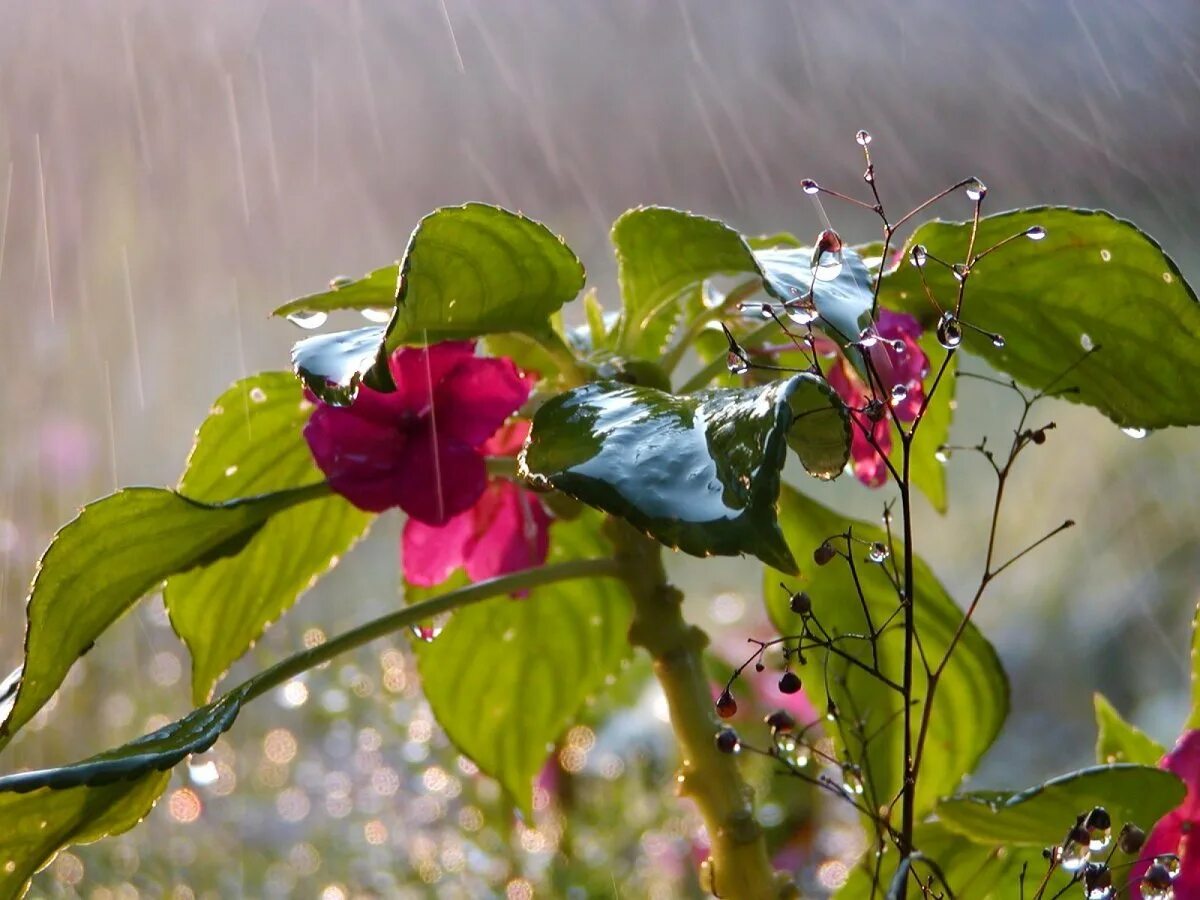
x=170, y=171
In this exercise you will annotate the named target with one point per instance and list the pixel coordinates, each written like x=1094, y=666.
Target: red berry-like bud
x=726, y=705
x=789, y=683
x=824, y=554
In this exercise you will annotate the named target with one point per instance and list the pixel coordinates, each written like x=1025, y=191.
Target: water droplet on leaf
x=380, y=316
x=1136, y=433
x=899, y=393
x=1085, y=341
x=1035, y=233
x=337, y=282
x=308, y=320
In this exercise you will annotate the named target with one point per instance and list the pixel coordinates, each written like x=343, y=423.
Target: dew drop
x=1074, y=856
x=802, y=311
x=1035, y=233
x=308, y=320
x=869, y=174
x=942, y=455
x=337, y=282
x=203, y=773
x=10, y=866
x=1099, y=829
x=1170, y=862
x=829, y=267
x=726, y=705
x=898, y=346
x=998, y=341
x=379, y=316
x=949, y=331
x=1136, y=433
x=1168, y=277
x=863, y=138
x=918, y=255
x=1085, y=341
x=425, y=633
x=899, y=393
x=809, y=186
x=879, y=552
x=231, y=471
x=976, y=190
x=1097, y=882
x=736, y=363
x=258, y=395
x=1105, y=255
x=960, y=272
x=727, y=741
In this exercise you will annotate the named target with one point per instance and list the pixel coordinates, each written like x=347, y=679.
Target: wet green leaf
x=928, y=473
x=333, y=364
x=118, y=549
x=698, y=472
x=1042, y=815
x=972, y=696
x=1118, y=741
x=1093, y=281
x=252, y=443
x=506, y=678
x=39, y=824
x=375, y=290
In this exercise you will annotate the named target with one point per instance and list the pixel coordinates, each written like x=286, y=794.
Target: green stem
x=289, y=668
x=675, y=353
x=738, y=867
x=573, y=372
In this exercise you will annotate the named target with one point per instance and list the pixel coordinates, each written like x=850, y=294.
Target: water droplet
x=1075, y=852
x=918, y=255
x=1085, y=341
x=230, y=471
x=863, y=138
x=802, y=311
x=736, y=363
x=829, y=267
x=1035, y=232
x=1136, y=433
x=258, y=395
x=1157, y=883
x=1105, y=255
x=1099, y=828
x=899, y=393
x=960, y=272
x=976, y=190
x=726, y=705
x=949, y=331
x=425, y=633
x=380, y=316
x=1168, y=277
x=869, y=174
x=809, y=186
x=879, y=552
x=942, y=455
x=203, y=773
x=1170, y=862
x=1097, y=882
x=789, y=683
x=898, y=346
x=337, y=282
x=998, y=341
x=867, y=338
x=727, y=741
x=308, y=320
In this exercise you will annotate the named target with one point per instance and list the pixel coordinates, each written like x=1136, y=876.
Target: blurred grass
x=171, y=171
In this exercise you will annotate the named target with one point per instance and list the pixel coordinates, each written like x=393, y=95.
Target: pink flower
x=1174, y=832
x=421, y=447
x=900, y=365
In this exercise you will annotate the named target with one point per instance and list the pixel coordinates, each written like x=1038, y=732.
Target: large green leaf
x=251, y=443
x=972, y=696
x=1043, y=815
x=505, y=678
x=1094, y=281
x=662, y=253
x=39, y=824
x=699, y=472
x=1118, y=741
x=375, y=291
x=467, y=271
x=927, y=471
x=118, y=549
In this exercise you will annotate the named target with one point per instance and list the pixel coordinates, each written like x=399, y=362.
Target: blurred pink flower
x=67, y=448
x=421, y=447
x=1174, y=832
x=901, y=365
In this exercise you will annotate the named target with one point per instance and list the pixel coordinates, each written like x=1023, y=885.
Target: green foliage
x=1043, y=815
x=506, y=678
x=971, y=702
x=699, y=472
x=1118, y=741
x=118, y=549
x=251, y=443
x=1094, y=281
x=376, y=291
x=928, y=474
x=468, y=270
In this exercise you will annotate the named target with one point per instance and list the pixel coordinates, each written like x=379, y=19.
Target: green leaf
x=118, y=549
x=1043, y=815
x=971, y=702
x=699, y=472
x=662, y=253
x=1193, y=720
x=507, y=677
x=468, y=271
x=39, y=824
x=252, y=443
x=1118, y=741
x=927, y=472
x=375, y=290
x=1094, y=281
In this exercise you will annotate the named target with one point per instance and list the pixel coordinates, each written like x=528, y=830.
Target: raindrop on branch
x=736, y=363
x=899, y=394
x=949, y=331
x=879, y=552
x=976, y=190
x=918, y=255
x=809, y=186
x=863, y=138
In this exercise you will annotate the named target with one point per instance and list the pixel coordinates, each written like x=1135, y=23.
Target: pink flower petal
x=476, y=397
x=1175, y=831
x=437, y=478
x=508, y=441
x=418, y=371
x=360, y=458
x=512, y=532
x=430, y=553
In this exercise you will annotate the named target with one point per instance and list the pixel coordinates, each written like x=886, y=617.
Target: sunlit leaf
x=252, y=443
x=374, y=291
x=1118, y=741
x=118, y=549
x=1043, y=815
x=698, y=472
x=971, y=702
x=507, y=677
x=1093, y=281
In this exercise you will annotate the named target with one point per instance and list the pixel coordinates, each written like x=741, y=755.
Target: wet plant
x=542, y=470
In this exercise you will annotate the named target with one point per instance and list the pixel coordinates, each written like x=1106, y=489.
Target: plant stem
x=909, y=787
x=738, y=867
